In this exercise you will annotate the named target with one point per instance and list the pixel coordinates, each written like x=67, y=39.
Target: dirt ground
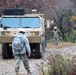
x=51, y=46
x=7, y=66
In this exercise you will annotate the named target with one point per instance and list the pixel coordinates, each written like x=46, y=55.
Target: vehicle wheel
x=10, y=54
x=6, y=51
x=37, y=51
x=5, y=48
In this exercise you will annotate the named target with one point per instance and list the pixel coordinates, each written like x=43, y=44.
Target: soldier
x=55, y=36
x=20, y=46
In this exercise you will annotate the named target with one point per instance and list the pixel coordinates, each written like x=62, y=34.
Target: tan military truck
x=12, y=21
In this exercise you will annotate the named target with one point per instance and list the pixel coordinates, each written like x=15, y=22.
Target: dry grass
x=58, y=65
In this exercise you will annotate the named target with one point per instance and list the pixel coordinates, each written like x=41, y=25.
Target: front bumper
x=32, y=39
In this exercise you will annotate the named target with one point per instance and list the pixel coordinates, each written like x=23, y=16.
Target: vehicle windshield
x=32, y=22
x=10, y=22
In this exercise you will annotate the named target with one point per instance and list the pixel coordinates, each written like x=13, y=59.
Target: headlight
x=35, y=33
x=5, y=32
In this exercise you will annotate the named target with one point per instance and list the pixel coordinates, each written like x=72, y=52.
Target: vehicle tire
x=10, y=54
x=5, y=52
x=37, y=51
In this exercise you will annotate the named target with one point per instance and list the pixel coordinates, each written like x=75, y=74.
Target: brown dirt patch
x=67, y=44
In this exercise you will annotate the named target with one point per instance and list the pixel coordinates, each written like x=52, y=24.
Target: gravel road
x=7, y=66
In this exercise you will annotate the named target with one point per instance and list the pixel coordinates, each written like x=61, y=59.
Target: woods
x=60, y=11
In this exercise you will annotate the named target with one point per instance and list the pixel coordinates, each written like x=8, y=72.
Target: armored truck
x=12, y=21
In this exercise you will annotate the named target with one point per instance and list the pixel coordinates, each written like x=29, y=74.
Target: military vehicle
x=12, y=21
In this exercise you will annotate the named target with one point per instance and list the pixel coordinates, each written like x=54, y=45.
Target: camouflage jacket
x=26, y=45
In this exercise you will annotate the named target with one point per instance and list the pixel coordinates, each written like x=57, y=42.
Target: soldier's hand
x=29, y=54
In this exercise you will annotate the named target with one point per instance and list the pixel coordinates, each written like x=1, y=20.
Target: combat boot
x=29, y=72
x=17, y=73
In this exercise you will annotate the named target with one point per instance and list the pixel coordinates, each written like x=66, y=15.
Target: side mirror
x=49, y=22
x=1, y=25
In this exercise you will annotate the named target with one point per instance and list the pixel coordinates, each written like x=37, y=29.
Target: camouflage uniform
x=21, y=55
x=24, y=59
x=55, y=36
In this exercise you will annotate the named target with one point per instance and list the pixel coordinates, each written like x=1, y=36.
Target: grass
x=58, y=65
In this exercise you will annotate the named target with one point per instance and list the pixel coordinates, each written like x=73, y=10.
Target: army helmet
x=55, y=27
x=22, y=31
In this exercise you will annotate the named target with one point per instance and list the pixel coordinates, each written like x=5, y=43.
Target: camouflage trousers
x=24, y=59
x=56, y=39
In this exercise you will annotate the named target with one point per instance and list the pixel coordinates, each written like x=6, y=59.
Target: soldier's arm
x=27, y=45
